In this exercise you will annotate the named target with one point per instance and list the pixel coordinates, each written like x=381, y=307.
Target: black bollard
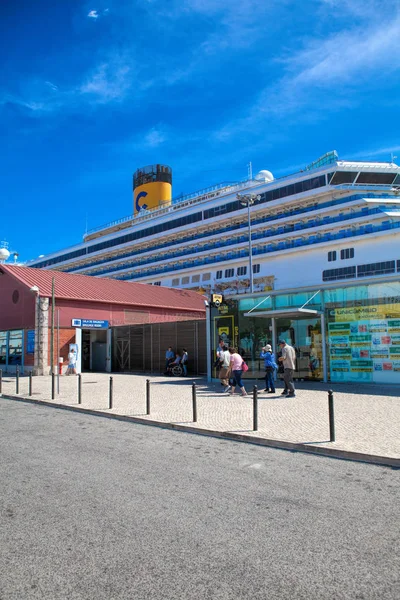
x=1, y=380
x=147, y=396
x=255, y=408
x=53, y=387
x=194, y=401
x=110, y=395
x=331, y=417
x=17, y=381
x=30, y=384
x=79, y=388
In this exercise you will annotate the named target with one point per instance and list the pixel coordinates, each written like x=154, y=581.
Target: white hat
x=268, y=347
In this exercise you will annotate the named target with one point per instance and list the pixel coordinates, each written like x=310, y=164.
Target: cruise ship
x=287, y=254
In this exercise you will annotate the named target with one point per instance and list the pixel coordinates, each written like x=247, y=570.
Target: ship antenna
x=250, y=171
x=393, y=157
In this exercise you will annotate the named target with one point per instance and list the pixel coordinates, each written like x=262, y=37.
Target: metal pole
x=110, y=397
x=17, y=381
x=250, y=248
x=208, y=339
x=52, y=325
x=194, y=401
x=79, y=388
x=53, y=377
x=1, y=380
x=331, y=417
x=255, y=408
x=30, y=384
x=147, y=396
x=58, y=351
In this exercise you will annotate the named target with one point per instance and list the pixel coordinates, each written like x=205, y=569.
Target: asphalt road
x=92, y=508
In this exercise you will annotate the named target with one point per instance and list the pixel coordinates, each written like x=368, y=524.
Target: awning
x=285, y=312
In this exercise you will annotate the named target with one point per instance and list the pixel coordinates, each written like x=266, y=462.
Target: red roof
x=101, y=289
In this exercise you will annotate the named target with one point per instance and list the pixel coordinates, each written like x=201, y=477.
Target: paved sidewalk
x=367, y=417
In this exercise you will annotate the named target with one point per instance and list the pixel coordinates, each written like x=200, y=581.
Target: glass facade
x=11, y=347
x=362, y=331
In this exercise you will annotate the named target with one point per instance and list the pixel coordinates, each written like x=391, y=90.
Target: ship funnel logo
x=139, y=207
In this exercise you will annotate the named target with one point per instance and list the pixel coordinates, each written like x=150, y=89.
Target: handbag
x=244, y=367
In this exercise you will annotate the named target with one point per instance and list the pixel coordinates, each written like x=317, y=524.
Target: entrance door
x=99, y=355
x=305, y=337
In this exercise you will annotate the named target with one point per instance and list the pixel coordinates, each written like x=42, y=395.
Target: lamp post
x=248, y=200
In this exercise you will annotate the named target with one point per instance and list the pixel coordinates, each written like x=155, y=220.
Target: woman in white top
x=236, y=366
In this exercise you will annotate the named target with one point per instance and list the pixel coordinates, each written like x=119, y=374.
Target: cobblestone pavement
x=367, y=417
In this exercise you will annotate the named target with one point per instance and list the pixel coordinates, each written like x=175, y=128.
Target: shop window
x=332, y=256
x=15, y=347
x=3, y=347
x=346, y=253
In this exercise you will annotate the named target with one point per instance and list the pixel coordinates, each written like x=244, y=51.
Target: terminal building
x=112, y=325
x=312, y=257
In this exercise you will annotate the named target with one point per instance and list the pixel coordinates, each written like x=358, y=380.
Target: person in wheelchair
x=174, y=366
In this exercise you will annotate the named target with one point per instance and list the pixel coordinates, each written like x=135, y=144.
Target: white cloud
x=154, y=138
x=93, y=14
x=109, y=82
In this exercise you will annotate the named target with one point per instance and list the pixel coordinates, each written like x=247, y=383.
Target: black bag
x=217, y=364
x=269, y=369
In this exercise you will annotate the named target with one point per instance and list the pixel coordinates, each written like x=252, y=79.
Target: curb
x=384, y=461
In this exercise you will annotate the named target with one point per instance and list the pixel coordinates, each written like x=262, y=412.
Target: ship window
x=347, y=253
x=175, y=282
x=195, y=278
x=376, y=178
x=206, y=276
x=185, y=280
x=332, y=256
x=376, y=268
x=333, y=274
x=256, y=268
x=157, y=283
x=343, y=177
x=218, y=275
x=229, y=272
x=241, y=270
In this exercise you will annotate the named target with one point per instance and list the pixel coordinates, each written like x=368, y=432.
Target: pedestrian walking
x=270, y=367
x=237, y=369
x=169, y=356
x=71, y=370
x=288, y=359
x=225, y=369
x=184, y=361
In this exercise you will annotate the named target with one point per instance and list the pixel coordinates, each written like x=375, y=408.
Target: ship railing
x=287, y=244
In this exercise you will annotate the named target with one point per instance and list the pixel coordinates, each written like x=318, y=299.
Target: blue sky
x=92, y=90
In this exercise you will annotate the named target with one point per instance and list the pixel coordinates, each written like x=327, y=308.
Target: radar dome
x=265, y=176
x=4, y=254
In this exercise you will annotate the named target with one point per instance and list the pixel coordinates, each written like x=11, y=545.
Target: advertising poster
x=364, y=343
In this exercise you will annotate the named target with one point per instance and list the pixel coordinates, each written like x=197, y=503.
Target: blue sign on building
x=30, y=342
x=89, y=324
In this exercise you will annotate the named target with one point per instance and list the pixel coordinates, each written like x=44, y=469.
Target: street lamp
x=248, y=200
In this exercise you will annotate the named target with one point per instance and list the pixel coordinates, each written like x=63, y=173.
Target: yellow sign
x=361, y=313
